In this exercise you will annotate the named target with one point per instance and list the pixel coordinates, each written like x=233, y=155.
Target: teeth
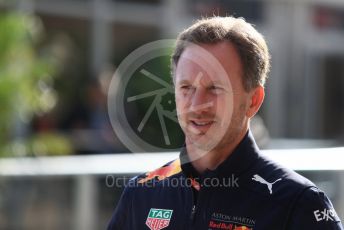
x=202, y=123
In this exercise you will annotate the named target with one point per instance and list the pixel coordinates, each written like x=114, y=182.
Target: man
x=221, y=181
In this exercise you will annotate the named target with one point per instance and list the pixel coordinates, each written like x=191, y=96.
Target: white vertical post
x=86, y=207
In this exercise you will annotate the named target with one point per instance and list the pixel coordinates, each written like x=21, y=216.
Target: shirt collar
x=241, y=159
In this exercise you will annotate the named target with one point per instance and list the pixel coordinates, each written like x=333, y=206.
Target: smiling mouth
x=202, y=123
x=200, y=127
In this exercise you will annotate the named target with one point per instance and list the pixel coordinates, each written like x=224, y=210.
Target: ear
x=256, y=100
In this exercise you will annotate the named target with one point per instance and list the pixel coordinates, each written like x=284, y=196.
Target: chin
x=203, y=142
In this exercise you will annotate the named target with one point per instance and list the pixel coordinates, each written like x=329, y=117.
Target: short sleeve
x=313, y=210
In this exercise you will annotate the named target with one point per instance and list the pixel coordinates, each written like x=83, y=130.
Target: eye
x=216, y=89
x=185, y=88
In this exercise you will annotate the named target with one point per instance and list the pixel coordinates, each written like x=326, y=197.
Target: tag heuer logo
x=158, y=218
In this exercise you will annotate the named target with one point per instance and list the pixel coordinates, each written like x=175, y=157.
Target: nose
x=200, y=101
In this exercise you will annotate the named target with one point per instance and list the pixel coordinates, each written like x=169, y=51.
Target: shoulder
x=168, y=170
x=314, y=210
x=315, y=199
x=139, y=192
x=283, y=182
x=155, y=177
x=310, y=208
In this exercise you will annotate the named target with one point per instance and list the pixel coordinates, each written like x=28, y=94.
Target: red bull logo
x=163, y=172
x=228, y=226
x=242, y=228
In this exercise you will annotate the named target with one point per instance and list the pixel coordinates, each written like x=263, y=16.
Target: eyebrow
x=181, y=82
x=188, y=82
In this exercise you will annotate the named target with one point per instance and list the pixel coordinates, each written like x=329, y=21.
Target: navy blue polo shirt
x=246, y=191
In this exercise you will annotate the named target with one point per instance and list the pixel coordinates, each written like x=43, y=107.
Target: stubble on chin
x=204, y=141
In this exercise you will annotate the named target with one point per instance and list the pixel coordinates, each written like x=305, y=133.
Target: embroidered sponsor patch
x=163, y=172
x=158, y=218
x=229, y=226
x=261, y=180
x=222, y=221
x=326, y=215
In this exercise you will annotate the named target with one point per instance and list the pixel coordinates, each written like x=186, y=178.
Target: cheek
x=181, y=101
x=224, y=106
x=180, y=106
x=181, y=113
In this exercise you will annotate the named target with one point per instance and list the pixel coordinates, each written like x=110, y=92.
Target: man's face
x=210, y=98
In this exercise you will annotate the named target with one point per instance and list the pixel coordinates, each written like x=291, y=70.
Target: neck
x=203, y=160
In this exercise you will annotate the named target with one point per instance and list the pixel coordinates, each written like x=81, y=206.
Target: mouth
x=202, y=123
x=200, y=126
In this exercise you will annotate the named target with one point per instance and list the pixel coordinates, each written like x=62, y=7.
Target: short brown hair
x=249, y=43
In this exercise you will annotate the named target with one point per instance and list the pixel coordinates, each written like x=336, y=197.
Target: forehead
x=217, y=61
